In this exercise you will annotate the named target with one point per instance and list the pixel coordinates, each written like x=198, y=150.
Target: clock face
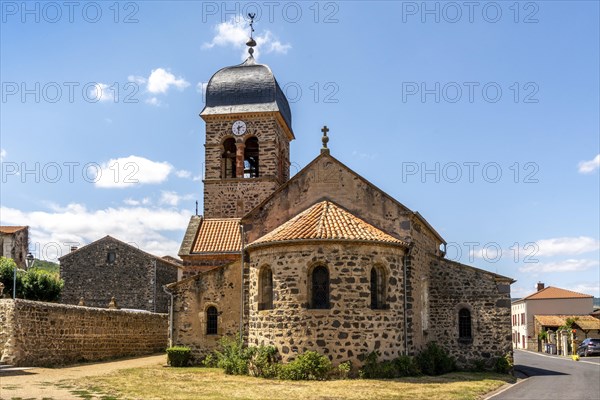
x=238, y=128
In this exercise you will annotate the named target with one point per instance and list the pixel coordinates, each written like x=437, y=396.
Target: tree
x=35, y=284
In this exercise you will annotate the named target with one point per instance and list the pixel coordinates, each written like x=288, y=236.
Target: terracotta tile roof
x=11, y=229
x=326, y=221
x=221, y=235
x=585, y=322
x=588, y=323
x=551, y=320
x=552, y=292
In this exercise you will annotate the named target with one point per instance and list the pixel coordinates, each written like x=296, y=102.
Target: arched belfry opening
x=228, y=159
x=251, y=163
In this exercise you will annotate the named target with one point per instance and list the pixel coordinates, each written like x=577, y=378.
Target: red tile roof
x=586, y=322
x=11, y=229
x=552, y=292
x=327, y=221
x=221, y=235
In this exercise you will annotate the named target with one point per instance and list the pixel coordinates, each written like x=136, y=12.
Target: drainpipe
x=406, y=261
x=154, y=287
x=167, y=291
x=242, y=284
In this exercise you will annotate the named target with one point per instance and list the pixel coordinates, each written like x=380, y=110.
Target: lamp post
x=29, y=261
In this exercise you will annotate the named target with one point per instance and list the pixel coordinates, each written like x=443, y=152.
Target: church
x=323, y=260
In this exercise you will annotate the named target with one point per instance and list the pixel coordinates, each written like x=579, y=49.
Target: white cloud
x=160, y=80
x=53, y=232
x=153, y=101
x=140, y=80
x=2, y=154
x=587, y=167
x=172, y=198
x=134, y=202
x=182, y=173
x=129, y=171
x=570, y=265
x=567, y=246
x=101, y=92
x=592, y=287
x=234, y=33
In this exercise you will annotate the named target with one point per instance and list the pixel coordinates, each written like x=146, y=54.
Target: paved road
x=553, y=377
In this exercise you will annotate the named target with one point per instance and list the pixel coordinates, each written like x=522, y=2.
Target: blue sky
x=482, y=116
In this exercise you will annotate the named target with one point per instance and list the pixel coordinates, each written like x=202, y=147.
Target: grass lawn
x=207, y=383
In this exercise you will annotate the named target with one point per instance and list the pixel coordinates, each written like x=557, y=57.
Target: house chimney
x=73, y=248
x=539, y=286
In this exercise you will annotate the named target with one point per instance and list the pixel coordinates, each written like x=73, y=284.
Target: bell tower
x=248, y=134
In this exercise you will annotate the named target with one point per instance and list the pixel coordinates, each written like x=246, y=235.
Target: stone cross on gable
x=325, y=139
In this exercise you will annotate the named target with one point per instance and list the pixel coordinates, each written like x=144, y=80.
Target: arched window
x=464, y=324
x=228, y=158
x=319, y=298
x=251, y=158
x=212, y=320
x=377, y=289
x=265, y=289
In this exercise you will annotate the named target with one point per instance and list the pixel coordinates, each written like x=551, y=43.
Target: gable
x=327, y=178
x=109, y=242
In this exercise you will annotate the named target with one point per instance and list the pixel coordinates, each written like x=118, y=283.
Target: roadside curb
x=521, y=377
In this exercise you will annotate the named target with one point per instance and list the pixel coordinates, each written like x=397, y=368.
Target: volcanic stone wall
x=349, y=329
x=234, y=197
x=454, y=286
x=130, y=277
x=47, y=334
x=221, y=288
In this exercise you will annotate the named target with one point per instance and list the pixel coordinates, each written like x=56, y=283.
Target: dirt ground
x=38, y=383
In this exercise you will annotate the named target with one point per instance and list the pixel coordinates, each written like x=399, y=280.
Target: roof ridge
x=324, y=210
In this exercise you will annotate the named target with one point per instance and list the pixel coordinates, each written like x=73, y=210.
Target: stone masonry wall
x=234, y=197
x=349, y=329
x=47, y=334
x=454, y=286
x=130, y=278
x=218, y=287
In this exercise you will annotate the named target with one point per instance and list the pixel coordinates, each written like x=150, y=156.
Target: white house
x=546, y=301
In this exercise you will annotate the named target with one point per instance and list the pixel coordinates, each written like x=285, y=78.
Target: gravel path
x=39, y=383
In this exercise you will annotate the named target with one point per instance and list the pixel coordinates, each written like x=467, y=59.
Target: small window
x=211, y=320
x=111, y=257
x=320, y=288
x=377, y=289
x=265, y=290
x=464, y=324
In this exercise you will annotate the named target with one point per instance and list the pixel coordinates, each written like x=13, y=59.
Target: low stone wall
x=47, y=334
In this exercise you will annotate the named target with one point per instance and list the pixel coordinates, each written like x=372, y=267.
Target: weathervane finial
x=251, y=43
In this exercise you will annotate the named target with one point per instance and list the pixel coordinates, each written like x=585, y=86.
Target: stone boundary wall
x=47, y=334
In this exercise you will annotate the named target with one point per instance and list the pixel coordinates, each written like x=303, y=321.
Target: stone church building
x=323, y=260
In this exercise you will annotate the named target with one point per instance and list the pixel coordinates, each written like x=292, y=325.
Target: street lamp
x=29, y=261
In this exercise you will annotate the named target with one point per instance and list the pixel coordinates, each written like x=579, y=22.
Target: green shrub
x=504, y=364
x=264, y=362
x=344, y=369
x=388, y=369
x=41, y=285
x=434, y=360
x=479, y=365
x=33, y=284
x=233, y=357
x=210, y=361
x=307, y=366
x=178, y=356
x=406, y=366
